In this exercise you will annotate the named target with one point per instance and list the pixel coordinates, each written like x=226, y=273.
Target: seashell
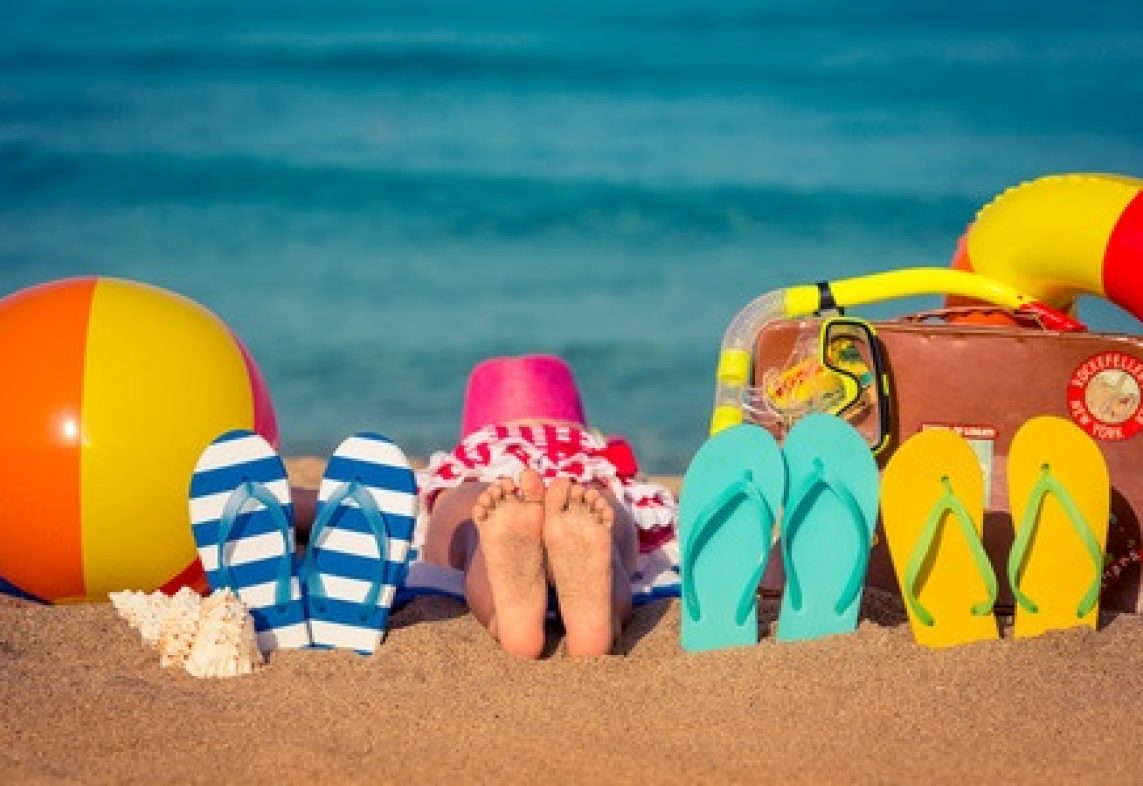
x=225, y=644
x=143, y=612
x=179, y=627
x=148, y=613
x=127, y=603
x=210, y=638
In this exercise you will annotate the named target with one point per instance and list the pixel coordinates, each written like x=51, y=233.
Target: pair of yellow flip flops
x=932, y=501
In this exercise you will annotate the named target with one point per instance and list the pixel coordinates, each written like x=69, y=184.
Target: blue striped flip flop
x=241, y=518
x=359, y=545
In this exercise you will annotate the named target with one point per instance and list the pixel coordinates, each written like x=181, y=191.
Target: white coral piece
x=210, y=638
x=225, y=645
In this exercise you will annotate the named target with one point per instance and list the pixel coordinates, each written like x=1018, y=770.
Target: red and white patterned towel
x=555, y=451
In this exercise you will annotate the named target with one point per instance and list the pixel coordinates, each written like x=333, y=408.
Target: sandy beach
x=84, y=702
x=313, y=220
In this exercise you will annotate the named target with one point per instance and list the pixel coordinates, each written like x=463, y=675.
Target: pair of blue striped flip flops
x=340, y=593
x=820, y=489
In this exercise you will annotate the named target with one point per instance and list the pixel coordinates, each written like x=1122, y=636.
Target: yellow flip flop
x=932, y=509
x=1059, y=493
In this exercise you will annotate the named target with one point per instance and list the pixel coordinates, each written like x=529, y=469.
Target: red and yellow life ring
x=1061, y=236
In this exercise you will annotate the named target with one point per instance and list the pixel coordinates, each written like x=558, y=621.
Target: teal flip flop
x=827, y=527
x=727, y=510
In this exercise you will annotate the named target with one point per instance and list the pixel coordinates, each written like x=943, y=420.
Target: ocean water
x=377, y=195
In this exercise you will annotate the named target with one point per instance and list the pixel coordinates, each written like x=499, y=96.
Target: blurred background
x=375, y=195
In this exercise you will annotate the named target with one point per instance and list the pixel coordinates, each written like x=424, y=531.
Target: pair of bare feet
x=529, y=537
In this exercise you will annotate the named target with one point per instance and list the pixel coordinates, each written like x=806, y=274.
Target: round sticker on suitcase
x=1105, y=396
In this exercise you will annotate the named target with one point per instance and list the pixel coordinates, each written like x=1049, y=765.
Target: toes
x=603, y=510
x=595, y=501
x=488, y=499
x=556, y=498
x=490, y=496
x=576, y=494
x=479, y=513
x=531, y=485
x=505, y=487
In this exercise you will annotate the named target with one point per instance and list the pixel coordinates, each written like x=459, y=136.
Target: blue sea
x=376, y=195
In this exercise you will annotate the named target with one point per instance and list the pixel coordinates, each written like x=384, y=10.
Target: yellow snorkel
x=735, y=360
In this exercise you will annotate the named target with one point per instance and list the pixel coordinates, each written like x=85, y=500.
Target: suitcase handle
x=986, y=315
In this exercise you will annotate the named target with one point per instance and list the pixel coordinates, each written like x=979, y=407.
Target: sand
x=83, y=701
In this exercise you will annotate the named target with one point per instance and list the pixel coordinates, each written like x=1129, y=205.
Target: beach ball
x=109, y=392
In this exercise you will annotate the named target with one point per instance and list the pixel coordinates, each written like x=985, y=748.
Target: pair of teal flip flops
x=821, y=485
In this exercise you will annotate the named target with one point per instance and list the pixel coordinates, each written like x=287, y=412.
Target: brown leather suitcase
x=984, y=381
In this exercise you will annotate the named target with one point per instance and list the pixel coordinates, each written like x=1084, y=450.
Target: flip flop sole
x=923, y=469
x=348, y=560
x=725, y=547
x=250, y=561
x=824, y=551
x=1057, y=570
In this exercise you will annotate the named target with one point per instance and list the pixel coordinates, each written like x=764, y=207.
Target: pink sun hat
x=529, y=387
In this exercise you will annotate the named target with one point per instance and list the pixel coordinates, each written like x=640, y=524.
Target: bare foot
x=510, y=523
x=582, y=560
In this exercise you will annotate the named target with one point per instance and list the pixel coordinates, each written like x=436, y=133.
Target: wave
x=371, y=59
x=458, y=203
x=746, y=51
x=1066, y=81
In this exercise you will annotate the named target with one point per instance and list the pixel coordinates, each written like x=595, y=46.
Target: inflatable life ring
x=1061, y=236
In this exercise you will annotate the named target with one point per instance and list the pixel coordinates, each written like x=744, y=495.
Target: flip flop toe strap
x=374, y=516
x=948, y=502
x=745, y=489
x=1047, y=484
x=246, y=491
x=794, y=516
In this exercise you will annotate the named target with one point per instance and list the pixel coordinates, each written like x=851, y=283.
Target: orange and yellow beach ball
x=109, y=391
